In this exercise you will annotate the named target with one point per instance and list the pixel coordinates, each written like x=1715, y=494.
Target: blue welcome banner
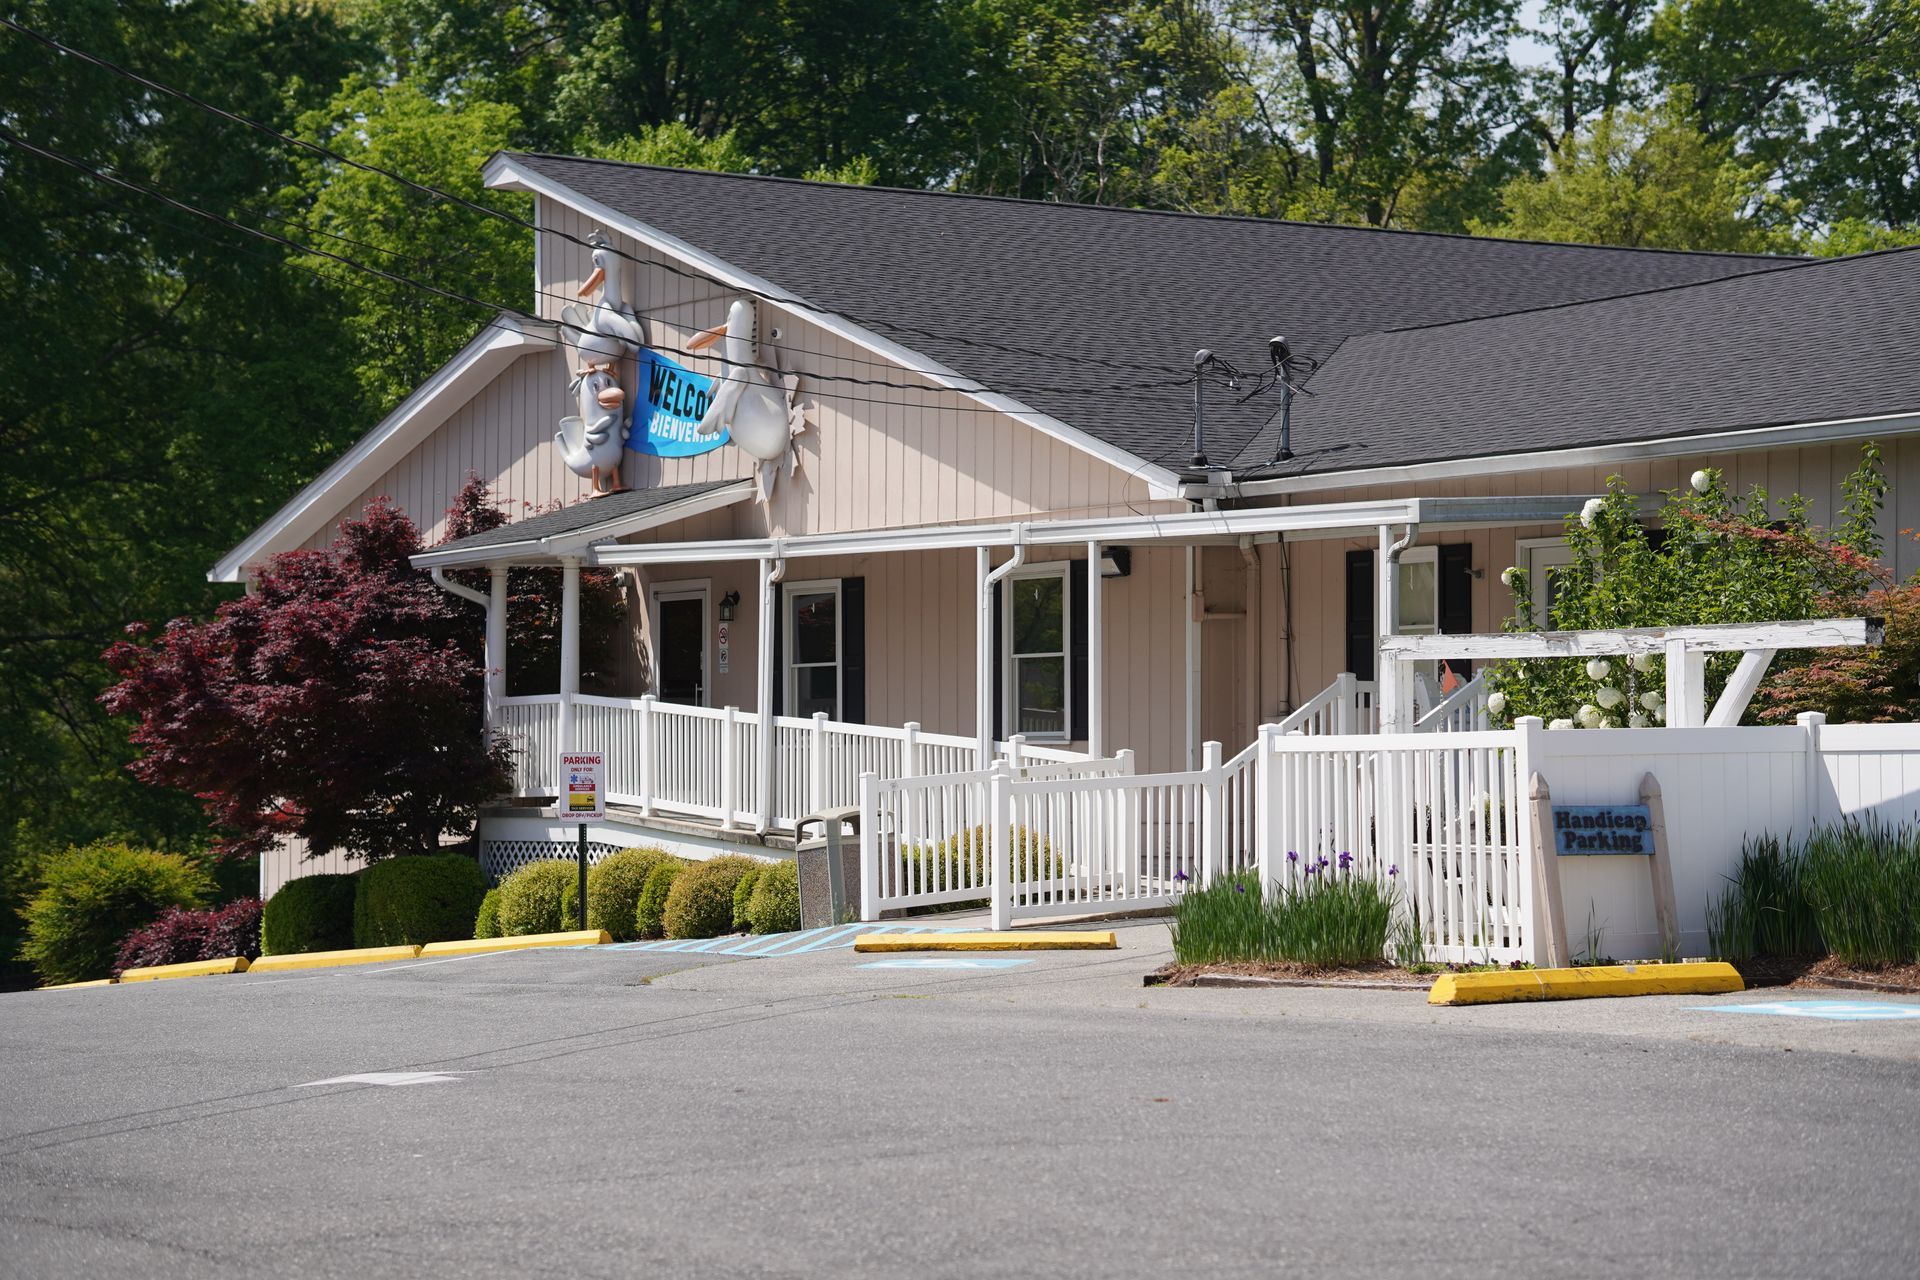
x=667, y=407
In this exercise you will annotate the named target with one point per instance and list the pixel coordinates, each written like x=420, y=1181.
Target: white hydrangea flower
x=1660, y=714
x=1643, y=661
x=1510, y=574
x=1652, y=699
x=1560, y=724
x=1638, y=720
x=1598, y=668
x=1702, y=480
x=1496, y=703
x=1591, y=512
x=1589, y=716
x=1609, y=697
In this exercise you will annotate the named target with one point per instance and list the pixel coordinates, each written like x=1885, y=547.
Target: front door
x=680, y=647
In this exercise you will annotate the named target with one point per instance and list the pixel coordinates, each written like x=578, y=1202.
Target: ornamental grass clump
x=1863, y=882
x=1331, y=921
x=1764, y=910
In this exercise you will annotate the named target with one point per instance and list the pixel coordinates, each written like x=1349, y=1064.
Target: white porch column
x=569, y=645
x=1394, y=684
x=1193, y=656
x=983, y=658
x=1096, y=658
x=1686, y=686
x=771, y=571
x=496, y=645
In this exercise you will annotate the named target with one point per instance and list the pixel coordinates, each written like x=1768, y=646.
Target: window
x=1543, y=559
x=813, y=648
x=1035, y=646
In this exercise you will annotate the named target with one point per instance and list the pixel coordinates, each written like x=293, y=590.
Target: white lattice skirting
x=500, y=858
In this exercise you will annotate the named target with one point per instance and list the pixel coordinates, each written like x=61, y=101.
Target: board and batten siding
x=1319, y=567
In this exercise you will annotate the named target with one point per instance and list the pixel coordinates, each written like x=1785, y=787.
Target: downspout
x=1396, y=706
x=983, y=668
x=451, y=587
x=772, y=572
x=494, y=687
x=1253, y=657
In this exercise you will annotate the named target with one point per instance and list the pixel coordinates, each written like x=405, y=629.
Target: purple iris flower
x=1179, y=875
x=1292, y=856
x=1346, y=860
x=1323, y=859
x=1239, y=888
x=1394, y=869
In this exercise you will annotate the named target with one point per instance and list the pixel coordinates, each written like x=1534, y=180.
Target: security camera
x=1278, y=349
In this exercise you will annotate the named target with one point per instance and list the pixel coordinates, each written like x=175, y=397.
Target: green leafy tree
x=1712, y=557
x=1650, y=180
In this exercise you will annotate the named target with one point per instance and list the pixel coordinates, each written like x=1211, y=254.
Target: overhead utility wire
x=7, y=135
x=501, y=214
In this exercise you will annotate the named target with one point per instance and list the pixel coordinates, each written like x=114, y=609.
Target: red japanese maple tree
x=339, y=701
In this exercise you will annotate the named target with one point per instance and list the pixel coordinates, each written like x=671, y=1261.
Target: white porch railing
x=1348, y=705
x=1462, y=711
x=705, y=763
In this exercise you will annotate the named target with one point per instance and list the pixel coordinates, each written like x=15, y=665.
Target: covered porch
x=773, y=672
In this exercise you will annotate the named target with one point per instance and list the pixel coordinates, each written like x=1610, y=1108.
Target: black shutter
x=1360, y=637
x=853, y=650
x=1456, y=598
x=1078, y=646
x=999, y=660
x=779, y=648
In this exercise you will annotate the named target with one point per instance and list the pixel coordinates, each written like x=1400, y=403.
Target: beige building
x=994, y=520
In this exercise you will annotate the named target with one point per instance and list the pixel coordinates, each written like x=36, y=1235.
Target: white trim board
x=499, y=344
x=1746, y=439
x=503, y=172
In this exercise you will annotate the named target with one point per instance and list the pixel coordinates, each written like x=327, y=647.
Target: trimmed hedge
x=417, y=898
x=743, y=894
x=313, y=913
x=775, y=904
x=91, y=897
x=614, y=885
x=700, y=903
x=649, y=915
x=178, y=936
x=487, y=923
x=541, y=897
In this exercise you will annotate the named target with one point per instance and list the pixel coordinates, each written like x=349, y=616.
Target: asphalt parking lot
x=612, y=1113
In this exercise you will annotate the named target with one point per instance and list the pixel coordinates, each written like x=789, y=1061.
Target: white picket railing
x=1462, y=711
x=705, y=762
x=1442, y=819
x=1348, y=705
x=531, y=726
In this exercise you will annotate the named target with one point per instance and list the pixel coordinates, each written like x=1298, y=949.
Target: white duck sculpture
x=592, y=443
x=757, y=408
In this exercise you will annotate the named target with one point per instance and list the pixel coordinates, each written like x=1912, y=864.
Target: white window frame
x=1535, y=556
x=1009, y=686
x=790, y=593
x=700, y=589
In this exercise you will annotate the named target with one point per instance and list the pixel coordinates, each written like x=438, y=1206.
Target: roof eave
x=499, y=343
x=581, y=541
x=505, y=172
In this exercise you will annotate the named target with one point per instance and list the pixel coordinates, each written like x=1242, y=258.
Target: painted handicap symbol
x=1830, y=1010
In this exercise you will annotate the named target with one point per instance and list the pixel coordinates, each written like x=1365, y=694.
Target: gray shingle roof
x=582, y=516
x=1812, y=341
x=1136, y=287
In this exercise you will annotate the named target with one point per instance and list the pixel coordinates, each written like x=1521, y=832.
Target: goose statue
x=750, y=402
x=592, y=442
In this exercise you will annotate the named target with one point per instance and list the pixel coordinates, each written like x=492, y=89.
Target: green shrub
x=743, y=894
x=1764, y=911
x=487, y=923
x=1332, y=921
x=313, y=913
x=417, y=898
x=91, y=897
x=614, y=885
x=961, y=860
x=774, y=906
x=700, y=903
x=649, y=914
x=1863, y=882
x=541, y=897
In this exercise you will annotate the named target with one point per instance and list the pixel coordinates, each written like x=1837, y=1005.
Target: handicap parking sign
x=1831, y=1010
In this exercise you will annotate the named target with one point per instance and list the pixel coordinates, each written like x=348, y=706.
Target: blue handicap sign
x=949, y=962
x=1831, y=1010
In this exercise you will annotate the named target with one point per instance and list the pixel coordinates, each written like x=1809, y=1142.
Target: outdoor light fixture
x=1116, y=562
x=727, y=602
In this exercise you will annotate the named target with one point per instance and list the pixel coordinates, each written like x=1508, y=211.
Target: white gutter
x=503, y=172
x=1779, y=437
x=451, y=587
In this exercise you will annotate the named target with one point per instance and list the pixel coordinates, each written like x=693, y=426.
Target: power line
x=491, y=212
x=14, y=139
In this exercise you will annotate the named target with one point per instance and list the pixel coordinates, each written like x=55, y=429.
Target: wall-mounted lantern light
x=1116, y=562
x=727, y=602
